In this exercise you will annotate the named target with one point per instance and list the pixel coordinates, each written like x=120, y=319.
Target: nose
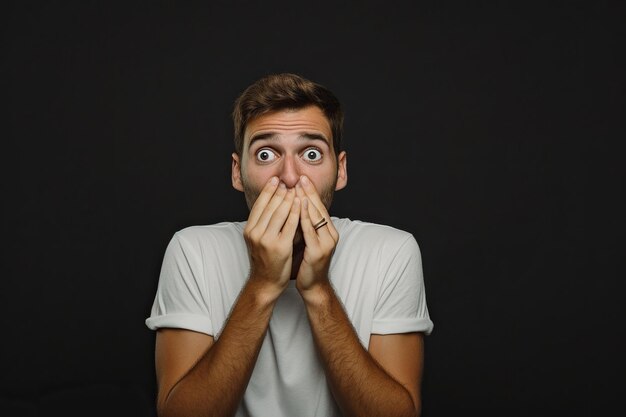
x=289, y=173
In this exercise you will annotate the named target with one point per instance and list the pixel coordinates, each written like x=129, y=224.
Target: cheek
x=256, y=174
x=321, y=177
x=255, y=177
x=325, y=185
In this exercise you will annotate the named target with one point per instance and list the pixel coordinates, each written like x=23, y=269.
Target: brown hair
x=285, y=91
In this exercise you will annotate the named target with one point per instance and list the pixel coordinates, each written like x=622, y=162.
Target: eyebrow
x=303, y=136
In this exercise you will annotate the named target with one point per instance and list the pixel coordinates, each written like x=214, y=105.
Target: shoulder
x=217, y=235
x=366, y=235
x=202, y=232
x=357, y=229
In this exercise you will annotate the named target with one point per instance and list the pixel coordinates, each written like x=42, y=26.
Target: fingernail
x=282, y=185
x=304, y=180
x=305, y=203
x=274, y=180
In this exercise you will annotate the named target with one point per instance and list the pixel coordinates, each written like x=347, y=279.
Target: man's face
x=288, y=144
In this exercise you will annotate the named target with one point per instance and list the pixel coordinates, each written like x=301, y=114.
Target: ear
x=236, y=173
x=342, y=171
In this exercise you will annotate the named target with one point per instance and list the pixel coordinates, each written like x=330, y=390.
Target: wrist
x=265, y=292
x=317, y=294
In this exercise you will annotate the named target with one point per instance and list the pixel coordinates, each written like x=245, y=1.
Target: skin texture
x=287, y=158
x=289, y=137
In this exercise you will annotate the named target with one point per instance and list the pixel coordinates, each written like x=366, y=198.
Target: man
x=293, y=312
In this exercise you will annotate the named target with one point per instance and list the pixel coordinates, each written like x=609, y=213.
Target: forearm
x=215, y=385
x=360, y=386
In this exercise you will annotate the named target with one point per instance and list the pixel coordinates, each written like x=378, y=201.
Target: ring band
x=319, y=224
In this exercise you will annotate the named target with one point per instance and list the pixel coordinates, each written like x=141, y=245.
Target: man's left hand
x=319, y=243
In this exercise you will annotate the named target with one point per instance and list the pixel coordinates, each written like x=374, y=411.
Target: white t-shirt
x=376, y=272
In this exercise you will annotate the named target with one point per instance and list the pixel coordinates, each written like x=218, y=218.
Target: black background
x=492, y=131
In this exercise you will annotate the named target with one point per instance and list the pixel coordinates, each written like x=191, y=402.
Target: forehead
x=284, y=122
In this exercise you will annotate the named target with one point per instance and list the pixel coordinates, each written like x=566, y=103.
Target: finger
x=318, y=209
x=300, y=192
x=315, y=214
x=311, y=193
x=322, y=225
x=310, y=236
x=311, y=196
x=262, y=200
x=269, y=209
x=291, y=225
x=277, y=221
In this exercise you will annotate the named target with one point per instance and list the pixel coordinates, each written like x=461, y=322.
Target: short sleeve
x=181, y=298
x=401, y=304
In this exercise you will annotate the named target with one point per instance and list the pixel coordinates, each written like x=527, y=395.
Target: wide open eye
x=312, y=155
x=265, y=155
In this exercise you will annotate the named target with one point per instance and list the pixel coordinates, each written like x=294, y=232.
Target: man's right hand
x=201, y=376
x=269, y=234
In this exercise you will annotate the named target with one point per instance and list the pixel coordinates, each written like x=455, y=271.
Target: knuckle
x=328, y=249
x=254, y=236
x=267, y=242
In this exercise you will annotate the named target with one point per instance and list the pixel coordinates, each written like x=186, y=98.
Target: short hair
x=285, y=91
